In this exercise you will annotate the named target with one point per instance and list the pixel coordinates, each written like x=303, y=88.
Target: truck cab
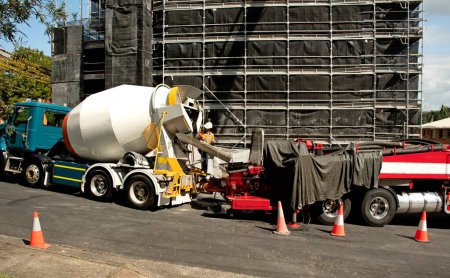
x=32, y=129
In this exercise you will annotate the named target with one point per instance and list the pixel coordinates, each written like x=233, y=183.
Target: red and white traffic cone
x=37, y=238
x=422, y=233
x=282, y=229
x=338, y=228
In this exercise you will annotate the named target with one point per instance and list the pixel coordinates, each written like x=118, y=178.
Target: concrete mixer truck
x=125, y=138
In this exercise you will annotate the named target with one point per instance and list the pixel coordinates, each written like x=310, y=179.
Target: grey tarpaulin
x=298, y=178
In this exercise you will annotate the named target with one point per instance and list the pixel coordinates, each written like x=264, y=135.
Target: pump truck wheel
x=98, y=185
x=326, y=211
x=378, y=207
x=33, y=173
x=140, y=192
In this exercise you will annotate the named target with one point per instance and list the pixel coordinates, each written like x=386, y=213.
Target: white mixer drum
x=110, y=123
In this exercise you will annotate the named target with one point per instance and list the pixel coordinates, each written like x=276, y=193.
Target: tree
x=16, y=12
x=25, y=73
x=432, y=116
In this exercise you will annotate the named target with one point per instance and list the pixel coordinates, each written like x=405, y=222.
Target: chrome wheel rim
x=379, y=207
x=33, y=174
x=139, y=192
x=98, y=185
x=330, y=208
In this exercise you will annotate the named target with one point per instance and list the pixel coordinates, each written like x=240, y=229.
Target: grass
x=7, y=276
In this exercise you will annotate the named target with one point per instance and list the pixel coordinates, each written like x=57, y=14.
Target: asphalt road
x=186, y=236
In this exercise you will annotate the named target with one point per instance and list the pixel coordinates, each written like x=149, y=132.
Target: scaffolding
x=331, y=70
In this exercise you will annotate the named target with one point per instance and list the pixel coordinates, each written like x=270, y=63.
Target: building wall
x=332, y=70
x=441, y=135
x=111, y=48
x=66, y=65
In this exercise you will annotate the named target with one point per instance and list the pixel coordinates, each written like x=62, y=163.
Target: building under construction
x=333, y=70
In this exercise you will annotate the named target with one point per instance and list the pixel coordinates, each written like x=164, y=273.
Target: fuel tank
x=416, y=202
x=110, y=123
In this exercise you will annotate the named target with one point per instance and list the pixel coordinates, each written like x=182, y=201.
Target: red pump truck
x=414, y=177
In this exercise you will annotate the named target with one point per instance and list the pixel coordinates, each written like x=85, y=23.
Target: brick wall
x=437, y=134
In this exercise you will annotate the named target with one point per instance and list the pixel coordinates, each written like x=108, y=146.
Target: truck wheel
x=99, y=186
x=140, y=192
x=378, y=207
x=326, y=211
x=33, y=173
x=2, y=164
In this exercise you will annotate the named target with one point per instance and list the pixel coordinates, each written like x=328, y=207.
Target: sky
x=35, y=36
x=436, y=49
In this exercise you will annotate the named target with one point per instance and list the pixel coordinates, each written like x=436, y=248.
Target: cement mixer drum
x=110, y=123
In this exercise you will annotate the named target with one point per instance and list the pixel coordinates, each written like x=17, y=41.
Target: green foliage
x=32, y=80
x=432, y=116
x=7, y=276
x=15, y=12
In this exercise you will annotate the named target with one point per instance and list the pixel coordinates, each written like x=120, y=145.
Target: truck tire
x=33, y=173
x=2, y=164
x=99, y=185
x=326, y=211
x=140, y=192
x=378, y=207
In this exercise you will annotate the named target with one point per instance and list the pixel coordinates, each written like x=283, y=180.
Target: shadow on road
x=435, y=221
x=239, y=215
x=408, y=237
x=324, y=231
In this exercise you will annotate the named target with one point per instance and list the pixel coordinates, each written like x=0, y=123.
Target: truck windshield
x=22, y=115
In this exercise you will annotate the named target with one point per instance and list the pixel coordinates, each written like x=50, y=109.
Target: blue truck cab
x=32, y=147
x=34, y=126
x=30, y=131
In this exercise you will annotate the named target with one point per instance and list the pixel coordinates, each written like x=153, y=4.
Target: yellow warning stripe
x=65, y=178
x=70, y=167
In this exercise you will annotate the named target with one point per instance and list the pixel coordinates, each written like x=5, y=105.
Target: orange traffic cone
x=281, y=223
x=338, y=228
x=422, y=233
x=37, y=238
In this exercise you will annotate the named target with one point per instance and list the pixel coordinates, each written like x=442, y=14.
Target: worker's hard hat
x=208, y=125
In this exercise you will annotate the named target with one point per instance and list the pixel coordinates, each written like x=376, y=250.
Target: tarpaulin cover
x=299, y=178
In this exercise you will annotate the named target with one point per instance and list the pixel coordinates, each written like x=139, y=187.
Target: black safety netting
x=110, y=48
x=345, y=70
x=342, y=71
x=128, y=43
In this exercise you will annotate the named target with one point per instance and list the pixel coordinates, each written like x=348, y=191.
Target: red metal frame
x=249, y=203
